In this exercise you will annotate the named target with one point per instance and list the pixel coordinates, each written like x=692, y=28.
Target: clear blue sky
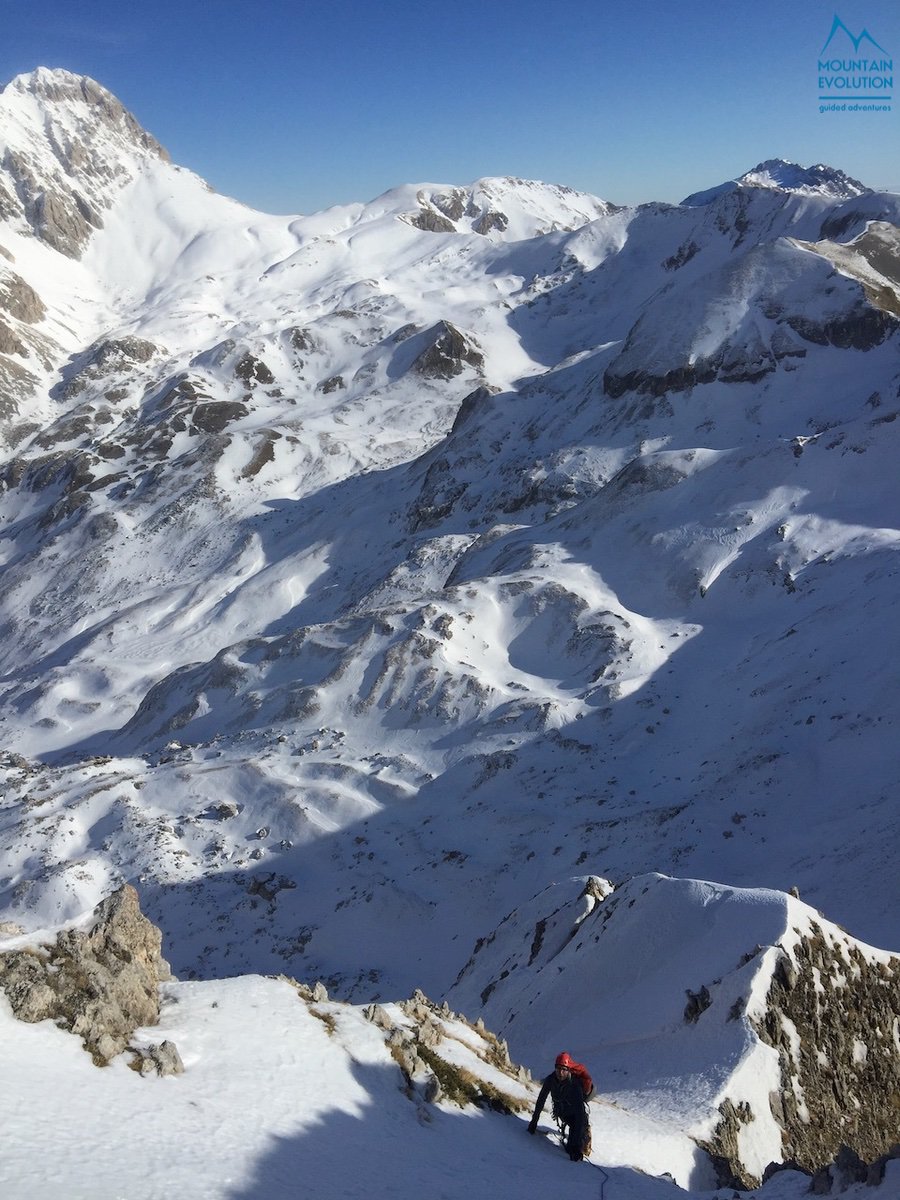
x=291, y=107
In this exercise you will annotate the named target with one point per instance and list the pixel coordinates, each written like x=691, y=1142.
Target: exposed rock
x=222, y=811
x=106, y=358
x=95, y=146
x=682, y=255
x=162, y=1059
x=831, y=1015
x=332, y=384
x=723, y=1147
x=102, y=983
x=64, y=222
x=491, y=219
x=861, y=328
x=378, y=1016
x=16, y=382
x=10, y=342
x=215, y=416
x=452, y=204
x=698, y=1002
x=431, y=221
x=471, y=404
x=432, y=1072
x=447, y=353
x=300, y=339
x=19, y=299
x=252, y=370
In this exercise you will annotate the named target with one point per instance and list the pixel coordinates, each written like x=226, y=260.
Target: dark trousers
x=576, y=1120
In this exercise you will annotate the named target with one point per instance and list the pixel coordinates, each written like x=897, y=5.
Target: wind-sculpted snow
x=365, y=572
x=452, y=558
x=702, y=1002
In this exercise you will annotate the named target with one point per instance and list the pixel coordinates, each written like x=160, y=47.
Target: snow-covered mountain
x=365, y=573
x=819, y=180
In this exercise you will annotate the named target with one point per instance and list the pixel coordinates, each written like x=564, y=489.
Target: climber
x=570, y=1087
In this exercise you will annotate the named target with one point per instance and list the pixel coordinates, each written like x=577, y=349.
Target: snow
x=605, y=617
x=277, y=1089
x=268, y=1097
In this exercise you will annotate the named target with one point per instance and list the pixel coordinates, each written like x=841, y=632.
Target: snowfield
x=373, y=578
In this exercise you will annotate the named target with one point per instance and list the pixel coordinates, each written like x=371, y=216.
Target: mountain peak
x=59, y=92
x=817, y=180
x=67, y=146
x=780, y=175
x=54, y=83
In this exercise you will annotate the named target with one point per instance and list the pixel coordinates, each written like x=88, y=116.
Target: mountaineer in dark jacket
x=570, y=1088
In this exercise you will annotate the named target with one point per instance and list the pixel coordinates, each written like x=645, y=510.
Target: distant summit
x=55, y=89
x=67, y=147
x=778, y=174
x=819, y=180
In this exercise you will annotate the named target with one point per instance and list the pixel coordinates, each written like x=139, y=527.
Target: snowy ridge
x=819, y=180
x=633, y=956
x=413, y=1090
x=775, y=174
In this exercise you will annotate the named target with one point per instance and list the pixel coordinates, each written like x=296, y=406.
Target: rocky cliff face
x=75, y=146
x=833, y=1015
x=102, y=982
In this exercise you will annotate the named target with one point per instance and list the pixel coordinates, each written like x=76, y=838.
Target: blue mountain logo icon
x=865, y=36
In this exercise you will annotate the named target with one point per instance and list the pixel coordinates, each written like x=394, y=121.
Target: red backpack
x=580, y=1071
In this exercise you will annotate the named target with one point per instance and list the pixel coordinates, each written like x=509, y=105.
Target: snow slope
x=272, y=1099
x=622, y=592
x=366, y=572
x=666, y=987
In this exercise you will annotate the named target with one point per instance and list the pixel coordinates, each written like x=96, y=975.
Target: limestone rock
x=378, y=1016
x=102, y=983
x=448, y=352
x=10, y=342
x=829, y=1014
x=19, y=299
x=162, y=1059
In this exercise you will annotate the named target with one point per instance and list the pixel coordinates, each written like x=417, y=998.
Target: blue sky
x=291, y=107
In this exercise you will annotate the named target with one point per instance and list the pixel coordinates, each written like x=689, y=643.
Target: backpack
x=580, y=1072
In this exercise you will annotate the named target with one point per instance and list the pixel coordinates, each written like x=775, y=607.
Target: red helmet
x=564, y=1060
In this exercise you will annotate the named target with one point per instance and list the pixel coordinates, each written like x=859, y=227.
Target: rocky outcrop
x=91, y=148
x=10, y=342
x=424, y=1039
x=430, y=221
x=162, y=1059
x=252, y=370
x=833, y=1015
x=19, y=299
x=448, y=352
x=101, y=983
x=832, y=1012
x=105, y=359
